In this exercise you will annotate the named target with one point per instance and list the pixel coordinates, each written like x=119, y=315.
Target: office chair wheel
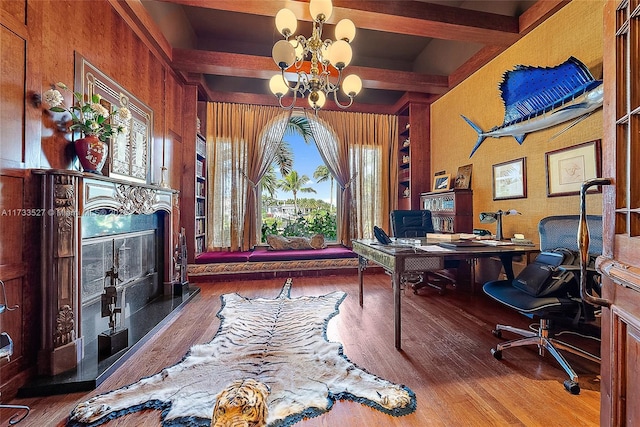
x=497, y=354
x=572, y=386
x=497, y=333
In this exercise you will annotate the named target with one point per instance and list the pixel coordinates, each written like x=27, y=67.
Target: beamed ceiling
x=402, y=49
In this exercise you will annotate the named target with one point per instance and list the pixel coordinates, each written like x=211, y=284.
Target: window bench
x=262, y=263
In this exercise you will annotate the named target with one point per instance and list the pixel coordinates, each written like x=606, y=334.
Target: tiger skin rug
x=280, y=342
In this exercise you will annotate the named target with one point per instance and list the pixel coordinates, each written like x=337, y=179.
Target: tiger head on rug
x=242, y=404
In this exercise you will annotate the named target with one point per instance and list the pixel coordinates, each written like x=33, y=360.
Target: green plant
x=299, y=227
x=89, y=117
x=324, y=223
x=269, y=229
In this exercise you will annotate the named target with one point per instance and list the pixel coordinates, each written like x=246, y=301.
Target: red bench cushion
x=297, y=255
x=333, y=252
x=218, y=257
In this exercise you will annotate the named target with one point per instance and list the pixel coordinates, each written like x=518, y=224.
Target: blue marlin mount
x=537, y=98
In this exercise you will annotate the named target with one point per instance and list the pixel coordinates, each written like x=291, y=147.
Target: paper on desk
x=496, y=242
x=433, y=248
x=468, y=236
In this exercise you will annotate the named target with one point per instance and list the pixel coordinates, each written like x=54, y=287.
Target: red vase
x=92, y=153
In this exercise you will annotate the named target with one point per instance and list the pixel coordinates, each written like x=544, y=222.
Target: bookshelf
x=451, y=211
x=200, y=196
x=414, y=152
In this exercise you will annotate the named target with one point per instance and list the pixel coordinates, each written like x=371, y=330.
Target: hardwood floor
x=445, y=360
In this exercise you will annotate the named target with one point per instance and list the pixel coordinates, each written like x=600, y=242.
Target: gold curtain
x=242, y=141
x=361, y=157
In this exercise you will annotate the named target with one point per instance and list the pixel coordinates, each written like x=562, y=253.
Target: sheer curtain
x=242, y=141
x=359, y=149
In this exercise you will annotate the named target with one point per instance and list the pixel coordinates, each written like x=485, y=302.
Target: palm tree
x=301, y=126
x=294, y=183
x=284, y=156
x=322, y=174
x=269, y=182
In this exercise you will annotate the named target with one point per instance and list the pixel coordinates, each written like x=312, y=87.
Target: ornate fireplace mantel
x=67, y=196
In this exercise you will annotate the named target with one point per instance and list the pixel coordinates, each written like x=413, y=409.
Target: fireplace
x=129, y=245
x=93, y=223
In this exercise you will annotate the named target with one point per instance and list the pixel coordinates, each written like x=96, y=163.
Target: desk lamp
x=489, y=217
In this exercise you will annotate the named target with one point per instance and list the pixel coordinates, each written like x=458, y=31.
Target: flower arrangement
x=89, y=117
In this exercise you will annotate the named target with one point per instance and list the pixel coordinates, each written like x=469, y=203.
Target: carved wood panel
x=12, y=99
x=12, y=269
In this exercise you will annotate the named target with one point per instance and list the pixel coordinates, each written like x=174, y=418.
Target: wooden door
x=620, y=263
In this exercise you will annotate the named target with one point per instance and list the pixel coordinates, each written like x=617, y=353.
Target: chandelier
x=325, y=56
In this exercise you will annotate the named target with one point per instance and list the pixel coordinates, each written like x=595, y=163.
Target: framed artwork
x=567, y=168
x=441, y=182
x=510, y=179
x=463, y=177
x=129, y=154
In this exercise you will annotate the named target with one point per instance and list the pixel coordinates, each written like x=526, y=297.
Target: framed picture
x=567, y=168
x=463, y=177
x=129, y=154
x=441, y=182
x=510, y=179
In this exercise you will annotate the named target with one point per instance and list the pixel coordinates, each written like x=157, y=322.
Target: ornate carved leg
x=397, y=319
x=362, y=265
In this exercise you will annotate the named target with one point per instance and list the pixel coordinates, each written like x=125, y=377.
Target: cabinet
x=414, y=152
x=451, y=211
x=200, y=195
x=620, y=263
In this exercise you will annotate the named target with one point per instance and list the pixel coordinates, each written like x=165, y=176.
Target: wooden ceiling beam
x=538, y=13
x=263, y=99
x=401, y=17
x=262, y=67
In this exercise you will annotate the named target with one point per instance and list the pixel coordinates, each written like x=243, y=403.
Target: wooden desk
x=398, y=260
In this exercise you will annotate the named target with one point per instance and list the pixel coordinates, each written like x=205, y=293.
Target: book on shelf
x=200, y=146
x=200, y=208
x=200, y=189
x=200, y=168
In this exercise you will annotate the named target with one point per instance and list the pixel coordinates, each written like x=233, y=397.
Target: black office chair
x=561, y=304
x=417, y=223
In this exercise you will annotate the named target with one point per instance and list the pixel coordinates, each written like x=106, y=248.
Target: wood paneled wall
x=575, y=30
x=39, y=42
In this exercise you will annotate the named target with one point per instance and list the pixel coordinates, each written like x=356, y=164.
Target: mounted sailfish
x=537, y=98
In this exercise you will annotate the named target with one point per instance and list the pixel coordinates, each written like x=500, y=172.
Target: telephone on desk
x=381, y=236
x=481, y=232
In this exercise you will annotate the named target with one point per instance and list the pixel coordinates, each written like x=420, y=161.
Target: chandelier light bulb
x=340, y=54
x=317, y=100
x=278, y=86
x=286, y=22
x=283, y=54
x=345, y=30
x=321, y=10
x=352, y=85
